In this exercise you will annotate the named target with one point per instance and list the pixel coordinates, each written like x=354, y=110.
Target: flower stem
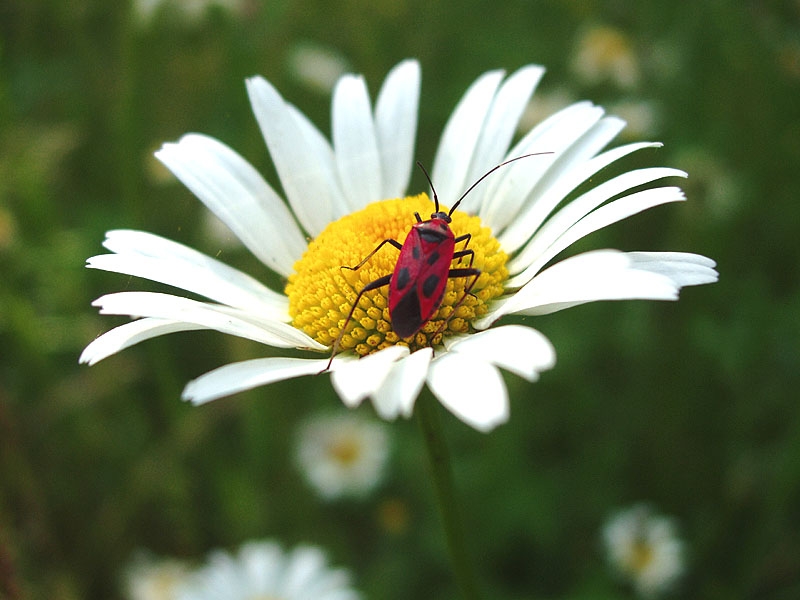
x=439, y=459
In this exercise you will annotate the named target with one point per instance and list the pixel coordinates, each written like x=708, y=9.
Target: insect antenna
x=433, y=189
x=484, y=176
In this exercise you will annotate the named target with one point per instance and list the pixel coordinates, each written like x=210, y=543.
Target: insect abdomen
x=406, y=316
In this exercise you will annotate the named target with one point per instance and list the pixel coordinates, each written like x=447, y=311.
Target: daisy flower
x=342, y=455
x=645, y=549
x=188, y=12
x=315, y=66
x=347, y=195
x=151, y=578
x=264, y=570
x=605, y=53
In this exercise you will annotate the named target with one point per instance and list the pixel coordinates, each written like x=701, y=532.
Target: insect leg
x=466, y=238
x=474, y=273
x=462, y=253
x=394, y=243
x=372, y=285
x=453, y=273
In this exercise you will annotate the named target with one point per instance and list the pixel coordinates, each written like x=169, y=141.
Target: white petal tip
x=471, y=388
x=356, y=379
x=189, y=396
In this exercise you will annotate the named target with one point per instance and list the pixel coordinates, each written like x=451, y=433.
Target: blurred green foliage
x=690, y=406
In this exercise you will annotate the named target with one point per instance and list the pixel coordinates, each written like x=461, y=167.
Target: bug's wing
x=404, y=304
x=432, y=277
x=419, y=278
x=407, y=315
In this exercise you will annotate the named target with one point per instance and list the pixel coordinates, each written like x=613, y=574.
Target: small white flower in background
x=605, y=54
x=315, y=66
x=347, y=197
x=642, y=116
x=342, y=455
x=150, y=578
x=644, y=548
x=262, y=570
x=189, y=12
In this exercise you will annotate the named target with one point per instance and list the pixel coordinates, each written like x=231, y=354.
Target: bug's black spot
x=433, y=257
x=402, y=278
x=429, y=285
x=415, y=252
x=406, y=317
x=432, y=235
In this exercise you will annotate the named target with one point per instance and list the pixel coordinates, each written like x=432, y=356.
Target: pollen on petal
x=322, y=288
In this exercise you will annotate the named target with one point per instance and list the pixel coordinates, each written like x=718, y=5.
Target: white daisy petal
x=233, y=190
x=508, y=188
x=355, y=142
x=141, y=243
x=501, y=122
x=572, y=213
x=471, y=388
x=396, y=126
x=173, y=264
x=322, y=152
x=457, y=145
x=559, y=137
x=148, y=577
x=602, y=217
x=263, y=570
x=304, y=562
x=303, y=578
x=594, y=197
x=128, y=335
x=240, y=376
x=498, y=215
x=397, y=394
x=516, y=348
x=354, y=380
x=211, y=316
x=681, y=267
x=302, y=164
x=581, y=149
x=572, y=121
x=588, y=277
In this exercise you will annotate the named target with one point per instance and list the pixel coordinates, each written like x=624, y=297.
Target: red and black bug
x=419, y=279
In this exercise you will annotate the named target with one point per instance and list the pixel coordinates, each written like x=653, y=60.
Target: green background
x=689, y=406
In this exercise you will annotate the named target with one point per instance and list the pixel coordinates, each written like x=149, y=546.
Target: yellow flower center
x=321, y=293
x=345, y=450
x=641, y=556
